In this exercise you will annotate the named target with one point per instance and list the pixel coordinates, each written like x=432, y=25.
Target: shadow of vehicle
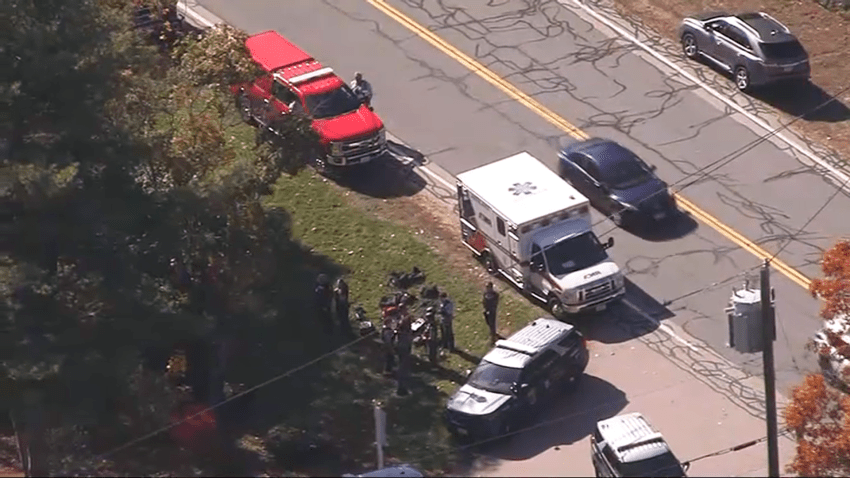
x=676, y=227
x=795, y=99
x=807, y=100
x=635, y=315
x=567, y=420
x=384, y=177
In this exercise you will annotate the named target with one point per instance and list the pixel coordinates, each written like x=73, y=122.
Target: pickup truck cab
x=296, y=83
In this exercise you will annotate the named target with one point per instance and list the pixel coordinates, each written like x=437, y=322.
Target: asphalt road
x=599, y=84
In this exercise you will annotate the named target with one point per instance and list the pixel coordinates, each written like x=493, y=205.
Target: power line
x=725, y=160
x=234, y=397
x=728, y=158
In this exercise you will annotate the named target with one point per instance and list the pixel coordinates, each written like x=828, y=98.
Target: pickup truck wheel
x=244, y=105
x=490, y=264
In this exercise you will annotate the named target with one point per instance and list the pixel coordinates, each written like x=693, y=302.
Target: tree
x=819, y=414
x=820, y=418
x=834, y=287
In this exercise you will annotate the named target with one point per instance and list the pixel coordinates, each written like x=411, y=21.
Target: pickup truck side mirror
x=609, y=243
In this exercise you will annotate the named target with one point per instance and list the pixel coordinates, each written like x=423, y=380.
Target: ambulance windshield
x=574, y=254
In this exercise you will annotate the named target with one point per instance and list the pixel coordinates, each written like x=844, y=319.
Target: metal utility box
x=745, y=321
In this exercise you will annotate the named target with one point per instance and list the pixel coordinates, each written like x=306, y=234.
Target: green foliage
x=113, y=163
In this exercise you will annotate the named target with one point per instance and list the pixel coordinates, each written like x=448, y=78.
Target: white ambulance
x=527, y=224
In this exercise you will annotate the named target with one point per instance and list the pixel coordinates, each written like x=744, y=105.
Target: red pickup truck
x=296, y=83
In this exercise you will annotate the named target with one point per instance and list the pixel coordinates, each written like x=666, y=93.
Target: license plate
x=600, y=308
x=659, y=215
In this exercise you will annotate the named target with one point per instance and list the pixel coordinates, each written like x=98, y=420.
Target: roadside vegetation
x=143, y=222
x=819, y=412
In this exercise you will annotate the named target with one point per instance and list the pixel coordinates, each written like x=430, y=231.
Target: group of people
x=333, y=303
x=397, y=335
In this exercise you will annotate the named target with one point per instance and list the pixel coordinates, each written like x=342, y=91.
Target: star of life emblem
x=522, y=188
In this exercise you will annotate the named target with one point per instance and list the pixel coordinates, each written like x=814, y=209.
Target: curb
x=197, y=15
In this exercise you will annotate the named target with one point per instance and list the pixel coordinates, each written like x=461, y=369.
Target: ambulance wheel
x=556, y=307
x=490, y=264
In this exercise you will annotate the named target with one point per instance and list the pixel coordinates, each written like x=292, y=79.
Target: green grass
x=368, y=248
x=331, y=401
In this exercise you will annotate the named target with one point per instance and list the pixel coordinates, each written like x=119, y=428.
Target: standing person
x=342, y=306
x=404, y=346
x=323, y=295
x=362, y=89
x=433, y=335
x=447, y=317
x=388, y=343
x=491, y=303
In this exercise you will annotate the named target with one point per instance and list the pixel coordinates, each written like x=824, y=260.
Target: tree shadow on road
x=568, y=420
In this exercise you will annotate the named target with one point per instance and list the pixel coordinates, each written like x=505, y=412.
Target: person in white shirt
x=362, y=89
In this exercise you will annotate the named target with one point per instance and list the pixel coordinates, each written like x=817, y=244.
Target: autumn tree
x=834, y=287
x=819, y=416
x=819, y=412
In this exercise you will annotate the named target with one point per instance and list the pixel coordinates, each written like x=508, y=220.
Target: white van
x=533, y=228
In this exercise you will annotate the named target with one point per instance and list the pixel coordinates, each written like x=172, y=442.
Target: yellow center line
x=552, y=117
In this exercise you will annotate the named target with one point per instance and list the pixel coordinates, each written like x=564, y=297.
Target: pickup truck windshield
x=332, y=103
x=574, y=254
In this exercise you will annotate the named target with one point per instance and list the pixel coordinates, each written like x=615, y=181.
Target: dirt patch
x=824, y=33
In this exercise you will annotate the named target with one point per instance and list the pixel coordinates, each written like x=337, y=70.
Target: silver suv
x=628, y=445
x=755, y=48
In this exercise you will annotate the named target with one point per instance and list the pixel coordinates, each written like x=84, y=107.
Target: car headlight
x=336, y=148
x=619, y=281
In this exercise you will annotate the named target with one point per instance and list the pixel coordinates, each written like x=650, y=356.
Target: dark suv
x=755, y=47
x=517, y=378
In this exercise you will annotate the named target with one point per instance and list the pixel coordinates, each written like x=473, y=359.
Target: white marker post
x=380, y=433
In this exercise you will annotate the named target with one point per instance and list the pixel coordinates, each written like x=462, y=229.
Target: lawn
x=317, y=418
x=367, y=247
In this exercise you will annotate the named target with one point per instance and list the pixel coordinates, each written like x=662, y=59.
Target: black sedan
x=616, y=181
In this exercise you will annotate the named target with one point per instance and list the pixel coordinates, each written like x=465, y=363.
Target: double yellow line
x=573, y=131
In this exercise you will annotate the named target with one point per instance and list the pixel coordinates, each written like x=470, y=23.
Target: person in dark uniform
x=490, y=303
x=404, y=346
x=323, y=296
x=447, y=317
x=342, y=306
x=388, y=345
